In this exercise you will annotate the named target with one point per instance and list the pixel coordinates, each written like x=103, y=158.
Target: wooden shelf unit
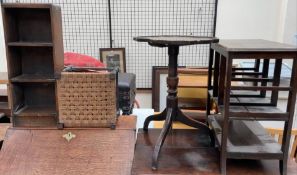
x=35, y=59
x=246, y=139
x=236, y=129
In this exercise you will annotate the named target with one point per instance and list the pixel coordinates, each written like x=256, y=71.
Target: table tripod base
x=157, y=117
x=170, y=115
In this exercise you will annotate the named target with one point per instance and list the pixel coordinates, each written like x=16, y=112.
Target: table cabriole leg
x=161, y=138
x=157, y=117
x=172, y=112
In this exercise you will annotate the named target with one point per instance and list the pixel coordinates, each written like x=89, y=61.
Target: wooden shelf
x=246, y=139
x=252, y=79
x=38, y=111
x=246, y=94
x=30, y=44
x=252, y=101
x=247, y=98
x=4, y=106
x=258, y=88
x=247, y=73
x=255, y=113
x=34, y=78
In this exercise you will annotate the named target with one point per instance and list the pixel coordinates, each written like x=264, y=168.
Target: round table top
x=175, y=40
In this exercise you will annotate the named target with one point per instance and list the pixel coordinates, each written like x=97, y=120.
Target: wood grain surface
x=242, y=45
x=166, y=40
x=92, y=151
x=185, y=153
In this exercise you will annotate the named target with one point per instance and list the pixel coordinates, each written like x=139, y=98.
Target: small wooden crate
x=88, y=99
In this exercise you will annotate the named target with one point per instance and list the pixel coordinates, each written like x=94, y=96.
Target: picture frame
x=114, y=58
x=159, y=73
x=159, y=85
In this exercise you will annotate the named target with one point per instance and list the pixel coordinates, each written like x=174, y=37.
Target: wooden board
x=184, y=152
x=166, y=40
x=246, y=139
x=246, y=45
x=92, y=151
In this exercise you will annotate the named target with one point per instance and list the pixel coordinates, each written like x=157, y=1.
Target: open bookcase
x=34, y=46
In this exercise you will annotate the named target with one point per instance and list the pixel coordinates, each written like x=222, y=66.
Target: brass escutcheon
x=69, y=136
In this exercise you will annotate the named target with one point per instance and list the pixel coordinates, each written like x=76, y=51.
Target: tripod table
x=172, y=112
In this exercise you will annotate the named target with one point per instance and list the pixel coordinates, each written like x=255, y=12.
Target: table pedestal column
x=171, y=112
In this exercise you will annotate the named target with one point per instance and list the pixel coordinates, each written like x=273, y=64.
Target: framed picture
x=114, y=58
x=159, y=85
x=158, y=72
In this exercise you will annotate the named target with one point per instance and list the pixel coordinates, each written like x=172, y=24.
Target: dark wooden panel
x=37, y=60
x=39, y=94
x=30, y=60
x=33, y=94
x=26, y=5
x=34, y=78
x=32, y=25
x=30, y=44
x=58, y=52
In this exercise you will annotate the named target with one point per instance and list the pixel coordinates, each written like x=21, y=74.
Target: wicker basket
x=87, y=99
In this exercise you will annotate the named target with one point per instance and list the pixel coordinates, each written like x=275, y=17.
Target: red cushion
x=80, y=60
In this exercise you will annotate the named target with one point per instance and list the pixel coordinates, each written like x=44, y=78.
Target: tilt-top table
x=172, y=112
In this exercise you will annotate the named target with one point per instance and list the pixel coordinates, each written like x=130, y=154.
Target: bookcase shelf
x=38, y=111
x=28, y=24
x=30, y=44
x=34, y=44
x=38, y=78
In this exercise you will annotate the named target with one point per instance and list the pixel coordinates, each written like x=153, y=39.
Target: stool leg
x=223, y=164
x=283, y=167
x=161, y=139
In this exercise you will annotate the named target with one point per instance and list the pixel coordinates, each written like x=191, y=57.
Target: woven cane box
x=87, y=99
